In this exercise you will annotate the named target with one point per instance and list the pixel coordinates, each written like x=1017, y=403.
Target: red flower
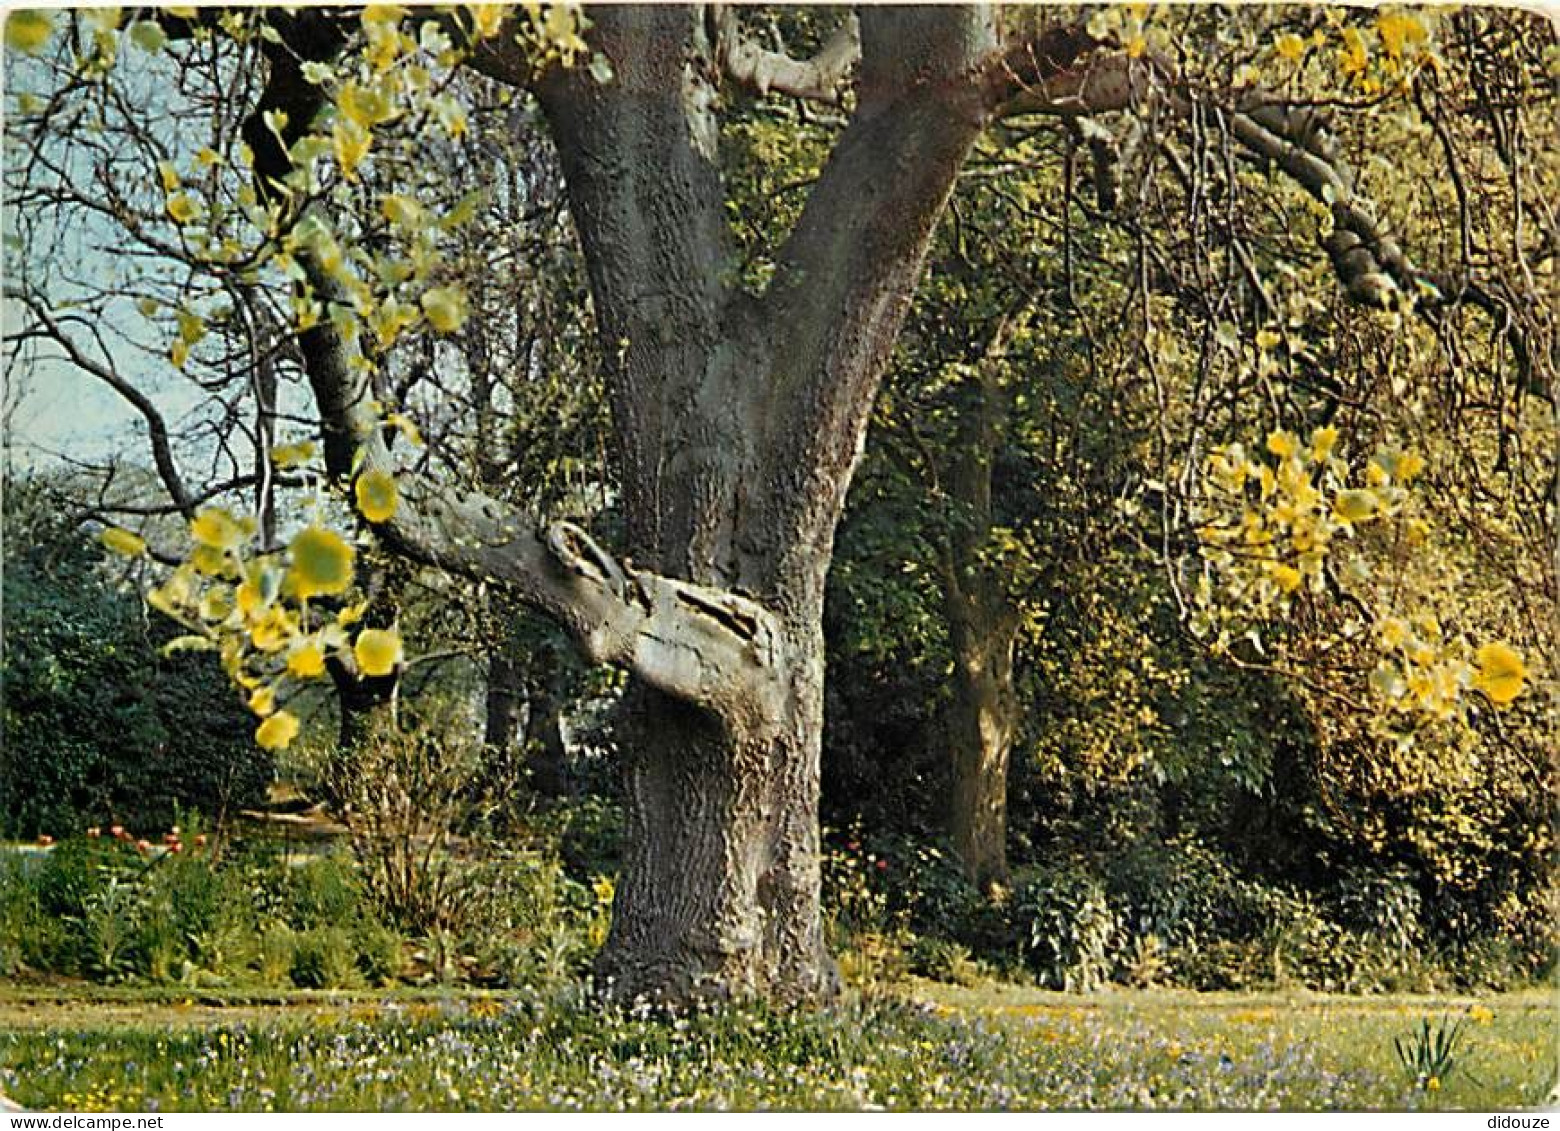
x=882, y=865
x=44, y=840
x=118, y=832
x=200, y=840
x=176, y=847
x=94, y=831
x=143, y=846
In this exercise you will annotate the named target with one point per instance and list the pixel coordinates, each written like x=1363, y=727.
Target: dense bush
x=98, y=726
x=110, y=909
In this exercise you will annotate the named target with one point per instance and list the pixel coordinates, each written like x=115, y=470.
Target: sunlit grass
x=951, y=1049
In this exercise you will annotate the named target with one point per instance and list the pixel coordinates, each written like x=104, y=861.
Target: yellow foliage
x=273, y=629
x=218, y=529
x=445, y=308
x=1282, y=444
x=378, y=651
x=182, y=208
x=321, y=563
x=292, y=455
x=377, y=497
x=1289, y=47
x=28, y=29
x=278, y=731
x=1501, y=672
x=307, y=661
x=122, y=541
x=1398, y=30
x=263, y=701
x=351, y=143
x=1355, y=505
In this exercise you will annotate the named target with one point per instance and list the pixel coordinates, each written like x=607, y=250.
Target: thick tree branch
x=844, y=277
x=823, y=78
x=699, y=644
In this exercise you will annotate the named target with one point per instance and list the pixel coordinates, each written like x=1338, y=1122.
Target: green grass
x=931, y=1047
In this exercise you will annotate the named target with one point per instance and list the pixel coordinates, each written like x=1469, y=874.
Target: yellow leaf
x=1289, y=47
x=1397, y=30
x=1286, y=577
x=378, y=651
x=487, y=19
x=1393, y=633
x=377, y=497
x=28, y=29
x=1501, y=672
x=384, y=15
x=263, y=701
x=1136, y=46
x=123, y=542
x=1322, y=442
x=402, y=211
x=1282, y=444
x=1409, y=465
x=273, y=629
x=352, y=613
x=182, y=208
x=250, y=598
x=445, y=308
x=216, y=605
x=306, y=662
x=169, y=176
x=277, y=731
x=218, y=529
x=351, y=143
x=321, y=563
x=1354, y=57
x=363, y=106
x=209, y=560
x=192, y=327
x=1354, y=505
x=292, y=455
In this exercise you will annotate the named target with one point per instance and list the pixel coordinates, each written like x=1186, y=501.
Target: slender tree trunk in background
x=983, y=629
x=982, y=720
x=523, y=731
x=546, y=752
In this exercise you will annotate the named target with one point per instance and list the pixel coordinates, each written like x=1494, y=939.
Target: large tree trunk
x=739, y=424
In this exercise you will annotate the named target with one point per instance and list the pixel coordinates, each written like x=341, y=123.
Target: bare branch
x=156, y=426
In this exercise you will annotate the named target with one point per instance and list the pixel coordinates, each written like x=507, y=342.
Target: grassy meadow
x=922, y=1047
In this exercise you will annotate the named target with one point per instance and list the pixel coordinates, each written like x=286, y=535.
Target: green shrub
x=96, y=725
x=945, y=961
x=378, y=953
x=1070, y=926
x=325, y=958
x=323, y=891
x=274, y=956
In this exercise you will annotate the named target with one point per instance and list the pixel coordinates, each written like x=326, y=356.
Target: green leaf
x=148, y=35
